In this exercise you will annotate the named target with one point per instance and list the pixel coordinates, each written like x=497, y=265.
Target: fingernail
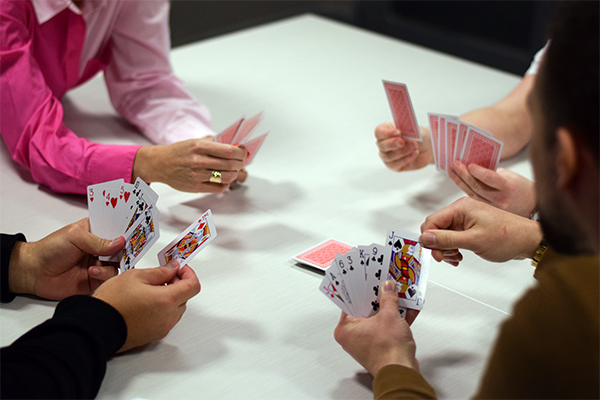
x=173, y=264
x=96, y=271
x=389, y=286
x=450, y=253
x=115, y=241
x=428, y=239
x=455, y=163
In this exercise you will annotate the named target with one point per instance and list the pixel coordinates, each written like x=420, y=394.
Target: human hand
x=151, y=300
x=189, y=164
x=489, y=232
x=503, y=189
x=399, y=154
x=62, y=264
x=383, y=339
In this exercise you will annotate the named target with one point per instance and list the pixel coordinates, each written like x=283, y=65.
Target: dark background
x=501, y=34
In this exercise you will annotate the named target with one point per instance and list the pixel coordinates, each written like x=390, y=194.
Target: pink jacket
x=50, y=46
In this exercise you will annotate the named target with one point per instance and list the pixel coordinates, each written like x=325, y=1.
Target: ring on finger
x=215, y=177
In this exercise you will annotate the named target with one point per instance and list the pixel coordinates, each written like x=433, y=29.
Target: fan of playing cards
x=241, y=130
x=452, y=139
x=118, y=209
x=353, y=277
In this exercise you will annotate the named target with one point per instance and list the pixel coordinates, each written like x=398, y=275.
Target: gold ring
x=215, y=177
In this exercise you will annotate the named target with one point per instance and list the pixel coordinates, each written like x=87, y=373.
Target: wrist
x=20, y=280
x=145, y=164
x=532, y=238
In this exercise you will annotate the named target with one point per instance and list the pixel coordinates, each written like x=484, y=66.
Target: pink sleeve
x=141, y=83
x=31, y=122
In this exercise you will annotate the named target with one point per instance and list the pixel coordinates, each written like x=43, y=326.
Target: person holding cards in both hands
x=50, y=46
x=510, y=124
x=549, y=347
x=65, y=357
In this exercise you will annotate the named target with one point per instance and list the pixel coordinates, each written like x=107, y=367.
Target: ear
x=566, y=159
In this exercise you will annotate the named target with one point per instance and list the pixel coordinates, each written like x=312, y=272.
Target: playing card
x=252, y=147
x=460, y=140
x=228, y=134
x=142, y=234
x=408, y=267
x=246, y=128
x=481, y=149
x=322, y=254
x=330, y=289
x=442, y=143
x=402, y=110
x=376, y=261
x=102, y=200
x=336, y=275
x=191, y=241
x=434, y=121
x=451, y=138
x=353, y=277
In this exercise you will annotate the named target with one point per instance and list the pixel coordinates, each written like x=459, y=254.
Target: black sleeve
x=64, y=357
x=7, y=243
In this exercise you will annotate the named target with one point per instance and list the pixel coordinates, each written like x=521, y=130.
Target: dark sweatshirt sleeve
x=64, y=357
x=7, y=242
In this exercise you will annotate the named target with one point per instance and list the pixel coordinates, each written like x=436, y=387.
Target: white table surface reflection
x=260, y=328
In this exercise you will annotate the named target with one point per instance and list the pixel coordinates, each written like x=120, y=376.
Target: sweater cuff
x=397, y=381
x=98, y=317
x=7, y=244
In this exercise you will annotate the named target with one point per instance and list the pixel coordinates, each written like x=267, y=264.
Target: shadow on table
x=242, y=200
x=201, y=340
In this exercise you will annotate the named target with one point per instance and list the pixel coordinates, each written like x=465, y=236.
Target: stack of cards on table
x=454, y=139
x=118, y=209
x=239, y=133
x=353, y=275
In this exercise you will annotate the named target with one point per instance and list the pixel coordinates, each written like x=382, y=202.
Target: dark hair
x=568, y=77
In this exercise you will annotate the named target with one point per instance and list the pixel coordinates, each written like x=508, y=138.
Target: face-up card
x=246, y=129
x=481, y=150
x=408, y=267
x=139, y=238
x=336, y=274
x=322, y=254
x=228, y=134
x=102, y=200
x=330, y=289
x=191, y=241
x=354, y=278
x=377, y=258
x=402, y=110
x=252, y=147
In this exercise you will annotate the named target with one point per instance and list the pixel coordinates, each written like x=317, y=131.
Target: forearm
x=508, y=119
x=65, y=356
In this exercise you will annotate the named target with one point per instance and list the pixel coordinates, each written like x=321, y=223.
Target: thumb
x=388, y=297
x=94, y=245
x=444, y=239
x=160, y=275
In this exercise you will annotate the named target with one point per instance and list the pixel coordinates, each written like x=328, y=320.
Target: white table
x=260, y=328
